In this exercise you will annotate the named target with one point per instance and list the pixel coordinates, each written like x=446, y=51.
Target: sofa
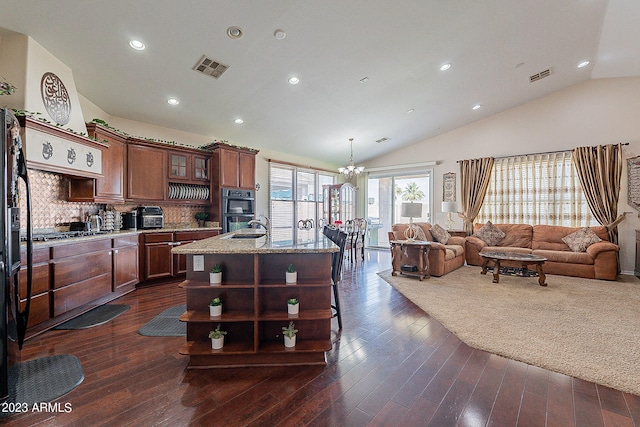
x=597, y=261
x=443, y=257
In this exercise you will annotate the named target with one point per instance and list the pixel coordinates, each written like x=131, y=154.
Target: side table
x=420, y=247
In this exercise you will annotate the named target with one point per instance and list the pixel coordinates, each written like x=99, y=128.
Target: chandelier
x=352, y=169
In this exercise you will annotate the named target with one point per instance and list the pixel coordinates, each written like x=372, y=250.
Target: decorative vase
x=217, y=343
x=293, y=308
x=215, y=278
x=215, y=310
x=201, y=223
x=289, y=342
x=291, y=278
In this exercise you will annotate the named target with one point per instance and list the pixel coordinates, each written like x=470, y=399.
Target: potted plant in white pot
x=289, y=333
x=215, y=276
x=293, y=306
x=217, y=338
x=215, y=307
x=291, y=275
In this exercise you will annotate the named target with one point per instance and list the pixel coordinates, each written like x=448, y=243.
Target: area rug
x=42, y=380
x=166, y=324
x=98, y=316
x=584, y=328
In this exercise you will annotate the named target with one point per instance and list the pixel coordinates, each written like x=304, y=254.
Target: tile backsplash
x=49, y=193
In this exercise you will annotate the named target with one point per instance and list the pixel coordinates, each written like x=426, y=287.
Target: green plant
x=292, y=301
x=216, y=269
x=289, y=331
x=217, y=333
x=291, y=268
x=201, y=216
x=215, y=301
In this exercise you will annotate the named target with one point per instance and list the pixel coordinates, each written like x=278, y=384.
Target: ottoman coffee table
x=524, y=259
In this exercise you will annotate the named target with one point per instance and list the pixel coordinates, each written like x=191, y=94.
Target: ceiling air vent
x=382, y=140
x=210, y=67
x=540, y=75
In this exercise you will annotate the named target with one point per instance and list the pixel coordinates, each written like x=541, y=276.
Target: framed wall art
x=449, y=187
x=633, y=175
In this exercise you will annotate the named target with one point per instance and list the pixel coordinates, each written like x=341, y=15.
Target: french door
x=385, y=195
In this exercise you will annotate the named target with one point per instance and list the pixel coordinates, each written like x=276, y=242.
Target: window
x=295, y=195
x=536, y=189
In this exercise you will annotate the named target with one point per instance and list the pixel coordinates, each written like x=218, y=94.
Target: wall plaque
x=449, y=187
x=633, y=175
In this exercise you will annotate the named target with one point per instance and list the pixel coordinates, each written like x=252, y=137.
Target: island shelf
x=254, y=299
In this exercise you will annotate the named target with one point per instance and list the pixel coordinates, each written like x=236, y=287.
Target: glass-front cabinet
x=339, y=203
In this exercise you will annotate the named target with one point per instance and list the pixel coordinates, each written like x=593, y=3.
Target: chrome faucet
x=265, y=223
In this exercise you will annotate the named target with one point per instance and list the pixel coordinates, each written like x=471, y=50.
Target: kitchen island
x=254, y=295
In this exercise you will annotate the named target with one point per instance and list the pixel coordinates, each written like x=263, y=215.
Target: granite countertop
x=251, y=242
x=122, y=233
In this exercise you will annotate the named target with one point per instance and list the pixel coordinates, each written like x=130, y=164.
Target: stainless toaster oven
x=150, y=217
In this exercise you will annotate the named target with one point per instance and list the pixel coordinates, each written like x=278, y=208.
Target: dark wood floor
x=392, y=365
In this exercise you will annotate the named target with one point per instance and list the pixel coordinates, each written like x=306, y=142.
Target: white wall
x=601, y=111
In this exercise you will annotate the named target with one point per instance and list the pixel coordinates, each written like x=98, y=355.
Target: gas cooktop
x=43, y=237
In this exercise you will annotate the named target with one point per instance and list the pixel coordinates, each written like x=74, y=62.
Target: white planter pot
x=217, y=343
x=215, y=278
x=289, y=342
x=293, y=308
x=292, y=278
x=215, y=310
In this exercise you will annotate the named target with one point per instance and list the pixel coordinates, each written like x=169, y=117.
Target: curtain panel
x=536, y=189
x=600, y=169
x=474, y=179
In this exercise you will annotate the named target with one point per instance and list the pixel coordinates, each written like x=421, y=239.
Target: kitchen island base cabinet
x=254, y=296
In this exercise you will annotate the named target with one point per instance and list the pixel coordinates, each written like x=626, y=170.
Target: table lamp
x=449, y=207
x=411, y=210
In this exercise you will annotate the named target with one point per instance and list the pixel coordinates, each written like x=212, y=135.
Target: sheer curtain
x=536, y=189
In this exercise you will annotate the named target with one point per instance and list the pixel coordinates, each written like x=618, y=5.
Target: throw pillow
x=440, y=234
x=490, y=234
x=580, y=240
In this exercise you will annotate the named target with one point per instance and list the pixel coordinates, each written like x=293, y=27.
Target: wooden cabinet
x=254, y=296
x=233, y=167
x=125, y=262
x=188, y=177
x=339, y=202
x=82, y=272
x=40, y=309
x=159, y=262
x=146, y=172
x=110, y=188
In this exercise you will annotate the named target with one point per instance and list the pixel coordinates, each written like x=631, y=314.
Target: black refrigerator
x=13, y=324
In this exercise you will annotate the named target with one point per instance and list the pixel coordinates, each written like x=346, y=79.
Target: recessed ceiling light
x=137, y=45
x=238, y=121
x=173, y=101
x=410, y=111
x=477, y=106
x=583, y=64
x=364, y=79
x=279, y=34
x=445, y=67
x=294, y=80
x=234, y=32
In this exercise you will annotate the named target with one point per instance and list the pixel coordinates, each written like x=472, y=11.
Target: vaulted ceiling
x=368, y=69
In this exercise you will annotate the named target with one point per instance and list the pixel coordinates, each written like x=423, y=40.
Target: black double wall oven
x=238, y=208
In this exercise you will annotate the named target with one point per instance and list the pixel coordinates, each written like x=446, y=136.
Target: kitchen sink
x=247, y=236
